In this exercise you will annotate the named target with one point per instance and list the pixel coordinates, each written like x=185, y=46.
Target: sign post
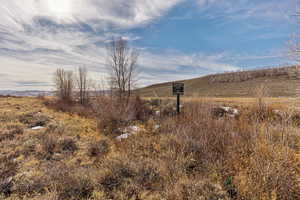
x=178, y=89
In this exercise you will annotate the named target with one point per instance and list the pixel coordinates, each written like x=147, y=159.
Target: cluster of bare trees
x=64, y=82
x=70, y=85
x=122, y=68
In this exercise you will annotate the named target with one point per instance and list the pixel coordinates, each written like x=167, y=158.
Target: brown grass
x=193, y=156
x=282, y=82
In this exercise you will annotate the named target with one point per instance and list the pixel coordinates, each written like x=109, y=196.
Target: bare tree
x=64, y=83
x=122, y=66
x=83, y=85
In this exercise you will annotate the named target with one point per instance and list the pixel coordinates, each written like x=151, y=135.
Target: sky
x=176, y=39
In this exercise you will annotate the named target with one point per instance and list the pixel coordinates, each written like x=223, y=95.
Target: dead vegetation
x=198, y=155
x=292, y=72
x=282, y=82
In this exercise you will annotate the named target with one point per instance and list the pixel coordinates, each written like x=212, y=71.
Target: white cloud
x=155, y=67
x=15, y=72
x=38, y=36
x=101, y=13
x=46, y=34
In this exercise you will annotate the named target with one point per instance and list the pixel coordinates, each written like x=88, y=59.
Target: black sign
x=178, y=88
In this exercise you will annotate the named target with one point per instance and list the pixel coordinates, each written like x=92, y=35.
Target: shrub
x=6, y=186
x=68, y=145
x=34, y=119
x=11, y=131
x=55, y=128
x=97, y=149
x=59, y=105
x=71, y=183
x=15, y=129
x=116, y=172
x=35, y=184
x=8, y=169
x=48, y=145
x=109, y=125
x=269, y=174
x=70, y=107
x=140, y=109
x=149, y=178
x=110, y=115
x=5, y=135
x=28, y=148
x=198, y=189
x=232, y=148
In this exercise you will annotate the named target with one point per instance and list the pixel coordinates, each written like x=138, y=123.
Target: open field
x=280, y=83
x=276, y=103
x=199, y=155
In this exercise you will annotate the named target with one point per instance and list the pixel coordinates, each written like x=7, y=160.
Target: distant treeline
x=291, y=72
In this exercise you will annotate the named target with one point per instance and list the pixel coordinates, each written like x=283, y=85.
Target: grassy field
x=195, y=156
x=278, y=86
x=283, y=103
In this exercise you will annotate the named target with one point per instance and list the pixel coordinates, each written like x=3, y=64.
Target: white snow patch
x=157, y=126
x=123, y=136
x=131, y=130
x=37, y=127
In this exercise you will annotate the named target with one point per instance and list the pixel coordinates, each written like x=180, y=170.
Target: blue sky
x=177, y=39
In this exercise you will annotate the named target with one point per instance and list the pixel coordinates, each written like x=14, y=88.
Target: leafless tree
x=122, y=67
x=64, y=83
x=83, y=85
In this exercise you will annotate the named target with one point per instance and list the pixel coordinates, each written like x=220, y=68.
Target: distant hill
x=25, y=93
x=281, y=82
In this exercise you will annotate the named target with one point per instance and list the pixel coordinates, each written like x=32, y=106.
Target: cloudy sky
x=177, y=39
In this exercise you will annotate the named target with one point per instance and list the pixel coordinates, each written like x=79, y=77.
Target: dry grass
x=195, y=156
x=282, y=82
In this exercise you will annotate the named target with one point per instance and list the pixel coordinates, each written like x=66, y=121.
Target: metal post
x=178, y=103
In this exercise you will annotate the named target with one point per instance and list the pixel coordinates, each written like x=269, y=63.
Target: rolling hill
x=280, y=82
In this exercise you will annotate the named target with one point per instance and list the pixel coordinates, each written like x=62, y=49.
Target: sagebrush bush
x=10, y=131
x=55, y=128
x=96, y=149
x=197, y=189
x=49, y=144
x=32, y=185
x=34, y=119
x=68, y=145
x=8, y=168
x=71, y=183
x=29, y=148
